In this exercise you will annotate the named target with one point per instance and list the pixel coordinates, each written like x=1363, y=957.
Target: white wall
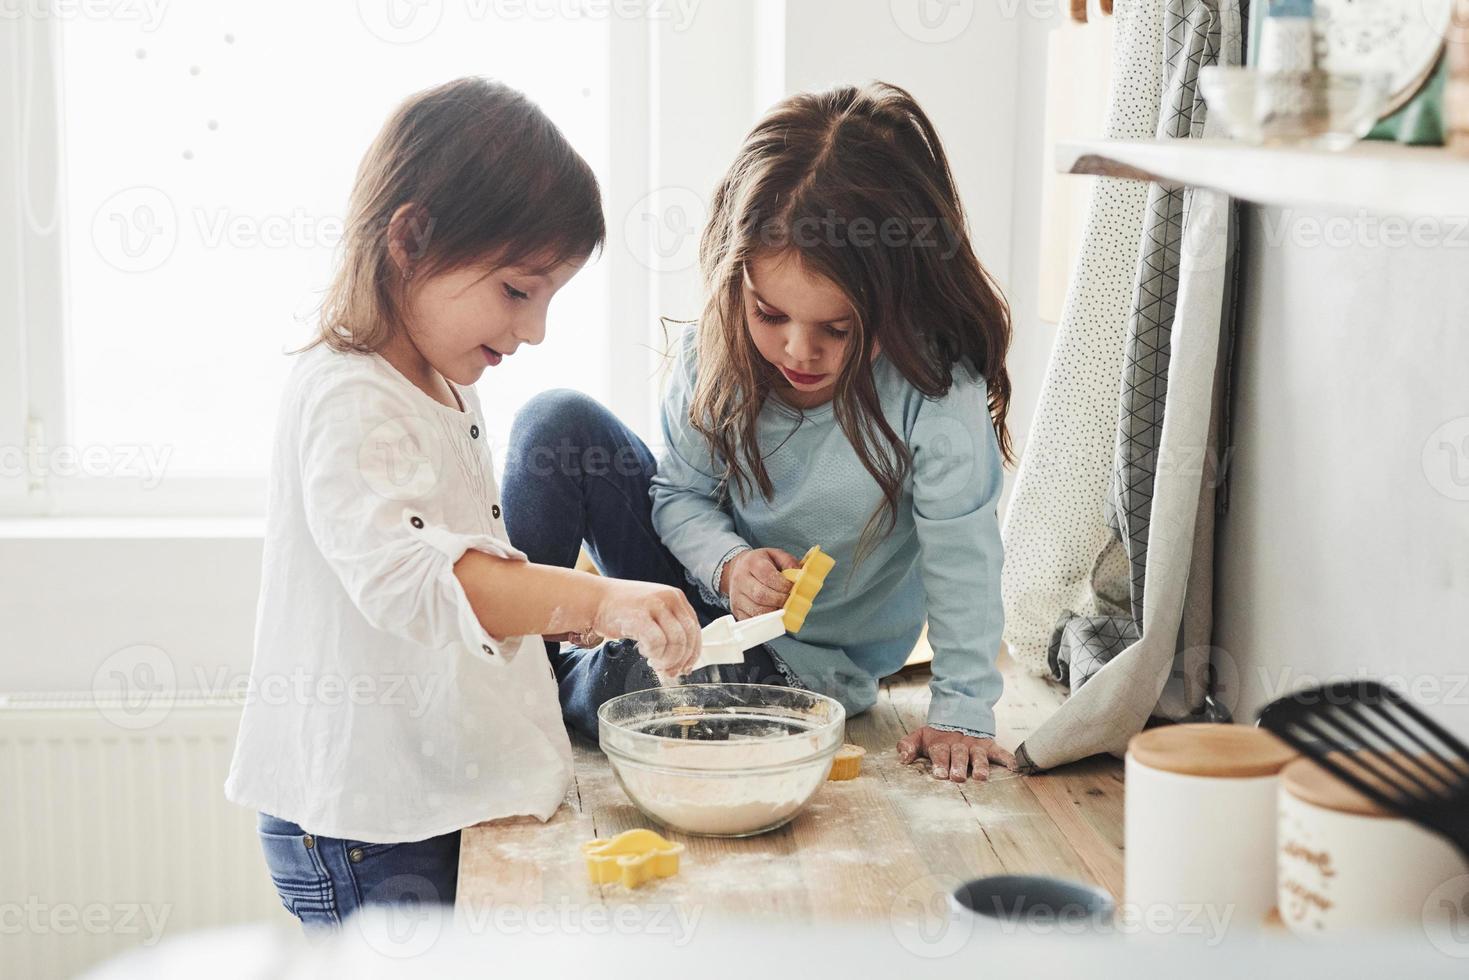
x=1030, y=349
x=74, y=594
x=967, y=85
x=1345, y=550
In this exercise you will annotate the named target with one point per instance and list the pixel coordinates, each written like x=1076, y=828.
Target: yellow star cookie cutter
x=806, y=581
x=847, y=764
x=632, y=857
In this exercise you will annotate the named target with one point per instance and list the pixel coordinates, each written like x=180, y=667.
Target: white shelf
x=1387, y=178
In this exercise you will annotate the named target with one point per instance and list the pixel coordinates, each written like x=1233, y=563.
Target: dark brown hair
x=855, y=184
x=492, y=179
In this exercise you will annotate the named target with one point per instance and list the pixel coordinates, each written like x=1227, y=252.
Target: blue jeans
x=323, y=880
x=575, y=475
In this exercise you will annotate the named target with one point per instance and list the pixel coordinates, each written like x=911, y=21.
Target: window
x=205, y=151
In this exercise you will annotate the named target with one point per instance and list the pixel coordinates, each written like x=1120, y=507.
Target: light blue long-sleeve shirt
x=941, y=562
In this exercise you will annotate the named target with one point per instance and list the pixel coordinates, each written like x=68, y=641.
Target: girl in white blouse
x=392, y=700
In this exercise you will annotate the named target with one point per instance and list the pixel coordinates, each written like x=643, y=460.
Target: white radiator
x=114, y=830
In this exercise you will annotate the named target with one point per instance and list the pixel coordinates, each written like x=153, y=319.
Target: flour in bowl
x=734, y=798
x=721, y=759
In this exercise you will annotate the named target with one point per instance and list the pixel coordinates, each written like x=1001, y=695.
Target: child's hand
x=953, y=754
x=753, y=582
x=658, y=617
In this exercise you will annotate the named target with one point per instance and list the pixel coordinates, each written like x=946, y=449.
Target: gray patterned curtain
x=1151, y=586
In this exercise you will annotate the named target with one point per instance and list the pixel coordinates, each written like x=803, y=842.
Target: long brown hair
x=492, y=179
x=855, y=183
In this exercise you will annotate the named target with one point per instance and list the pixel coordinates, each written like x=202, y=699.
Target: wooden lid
x=1307, y=781
x=1216, y=750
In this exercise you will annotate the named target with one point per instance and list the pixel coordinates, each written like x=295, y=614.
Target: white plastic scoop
x=725, y=640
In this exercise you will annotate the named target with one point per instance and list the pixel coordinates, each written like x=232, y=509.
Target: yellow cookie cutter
x=632, y=857
x=806, y=581
x=847, y=764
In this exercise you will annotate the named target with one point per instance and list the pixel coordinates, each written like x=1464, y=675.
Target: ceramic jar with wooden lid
x=1348, y=865
x=1200, y=820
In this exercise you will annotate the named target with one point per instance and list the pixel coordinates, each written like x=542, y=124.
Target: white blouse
x=378, y=708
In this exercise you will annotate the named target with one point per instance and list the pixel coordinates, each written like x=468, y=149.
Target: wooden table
x=890, y=843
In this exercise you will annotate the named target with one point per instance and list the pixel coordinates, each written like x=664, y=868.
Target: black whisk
x=1372, y=739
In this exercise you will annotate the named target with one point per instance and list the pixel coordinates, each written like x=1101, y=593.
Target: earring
x=407, y=274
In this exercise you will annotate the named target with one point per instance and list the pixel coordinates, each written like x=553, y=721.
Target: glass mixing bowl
x=721, y=760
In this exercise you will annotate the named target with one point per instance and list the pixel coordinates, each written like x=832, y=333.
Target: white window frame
x=31, y=341
x=35, y=414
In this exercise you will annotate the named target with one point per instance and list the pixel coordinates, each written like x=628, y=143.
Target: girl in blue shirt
x=844, y=387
